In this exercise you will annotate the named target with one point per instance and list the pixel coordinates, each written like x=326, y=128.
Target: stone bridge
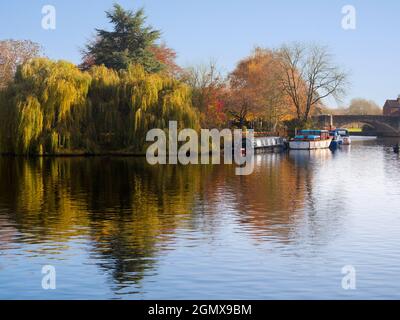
x=384, y=126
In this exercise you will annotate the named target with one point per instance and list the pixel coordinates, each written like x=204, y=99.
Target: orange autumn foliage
x=256, y=91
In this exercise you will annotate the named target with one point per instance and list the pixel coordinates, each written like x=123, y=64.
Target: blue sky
x=227, y=30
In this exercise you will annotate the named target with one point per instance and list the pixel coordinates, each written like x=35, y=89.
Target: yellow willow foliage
x=156, y=99
x=58, y=86
x=5, y=125
x=47, y=102
x=9, y=114
x=46, y=107
x=53, y=107
x=30, y=123
x=129, y=103
x=106, y=127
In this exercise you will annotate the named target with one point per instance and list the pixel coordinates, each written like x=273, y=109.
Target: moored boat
x=343, y=136
x=311, y=140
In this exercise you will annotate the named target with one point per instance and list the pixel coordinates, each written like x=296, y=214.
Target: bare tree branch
x=14, y=53
x=309, y=76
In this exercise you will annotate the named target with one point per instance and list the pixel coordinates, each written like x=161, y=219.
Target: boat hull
x=309, y=145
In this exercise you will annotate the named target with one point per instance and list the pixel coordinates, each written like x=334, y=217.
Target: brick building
x=392, y=107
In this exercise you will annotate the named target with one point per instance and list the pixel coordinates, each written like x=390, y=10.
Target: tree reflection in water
x=130, y=212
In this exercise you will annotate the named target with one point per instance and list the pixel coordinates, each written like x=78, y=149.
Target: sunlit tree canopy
x=53, y=107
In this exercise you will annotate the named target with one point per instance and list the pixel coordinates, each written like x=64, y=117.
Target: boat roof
x=310, y=130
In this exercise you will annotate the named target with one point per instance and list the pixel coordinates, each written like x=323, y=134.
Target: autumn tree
x=256, y=91
x=208, y=92
x=308, y=75
x=240, y=105
x=358, y=106
x=363, y=107
x=14, y=53
x=167, y=57
x=324, y=110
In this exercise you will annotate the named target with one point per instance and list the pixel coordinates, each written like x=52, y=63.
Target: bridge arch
x=384, y=125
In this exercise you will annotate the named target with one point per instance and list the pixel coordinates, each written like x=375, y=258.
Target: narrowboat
x=311, y=140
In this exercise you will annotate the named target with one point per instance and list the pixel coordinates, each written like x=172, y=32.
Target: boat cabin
x=312, y=135
x=342, y=132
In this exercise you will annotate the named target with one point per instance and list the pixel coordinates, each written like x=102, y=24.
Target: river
x=118, y=228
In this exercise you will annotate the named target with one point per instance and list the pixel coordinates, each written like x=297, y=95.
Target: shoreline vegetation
x=129, y=83
x=55, y=108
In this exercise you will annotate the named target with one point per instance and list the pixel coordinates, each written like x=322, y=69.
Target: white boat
x=343, y=136
x=311, y=140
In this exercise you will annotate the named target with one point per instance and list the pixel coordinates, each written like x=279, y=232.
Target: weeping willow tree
x=125, y=105
x=53, y=107
x=154, y=100
x=106, y=125
x=46, y=107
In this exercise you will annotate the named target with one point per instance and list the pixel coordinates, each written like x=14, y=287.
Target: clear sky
x=227, y=30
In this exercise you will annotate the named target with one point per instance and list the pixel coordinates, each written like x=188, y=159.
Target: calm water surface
x=121, y=229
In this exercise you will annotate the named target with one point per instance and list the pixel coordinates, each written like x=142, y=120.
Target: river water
x=118, y=228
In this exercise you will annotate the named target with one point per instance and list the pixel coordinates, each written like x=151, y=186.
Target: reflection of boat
x=304, y=156
x=310, y=140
